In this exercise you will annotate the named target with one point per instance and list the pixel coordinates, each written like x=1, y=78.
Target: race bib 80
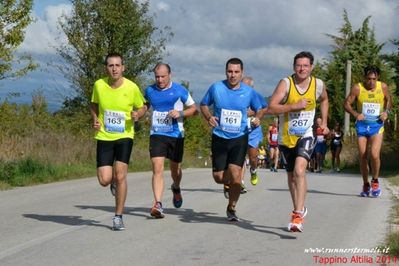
x=371, y=111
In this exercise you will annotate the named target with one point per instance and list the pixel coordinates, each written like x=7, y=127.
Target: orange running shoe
x=157, y=211
x=296, y=224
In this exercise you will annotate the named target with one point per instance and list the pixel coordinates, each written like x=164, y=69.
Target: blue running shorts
x=369, y=129
x=255, y=137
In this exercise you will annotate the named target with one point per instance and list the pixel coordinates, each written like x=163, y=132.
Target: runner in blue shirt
x=167, y=100
x=230, y=99
x=255, y=137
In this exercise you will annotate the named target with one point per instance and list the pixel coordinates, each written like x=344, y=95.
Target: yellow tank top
x=370, y=103
x=294, y=125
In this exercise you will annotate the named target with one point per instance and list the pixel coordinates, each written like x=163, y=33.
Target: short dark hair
x=162, y=64
x=113, y=54
x=371, y=70
x=304, y=54
x=235, y=61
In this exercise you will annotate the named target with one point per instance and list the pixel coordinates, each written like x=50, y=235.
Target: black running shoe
x=177, y=198
x=231, y=215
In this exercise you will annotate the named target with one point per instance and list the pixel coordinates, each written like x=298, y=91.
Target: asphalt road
x=69, y=223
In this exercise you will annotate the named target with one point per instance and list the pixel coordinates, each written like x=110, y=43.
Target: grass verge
x=392, y=239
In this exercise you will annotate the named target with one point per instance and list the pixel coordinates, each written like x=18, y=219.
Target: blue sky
x=265, y=34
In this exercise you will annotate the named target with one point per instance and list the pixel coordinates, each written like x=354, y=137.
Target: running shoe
x=254, y=179
x=157, y=211
x=366, y=190
x=338, y=170
x=226, y=189
x=177, y=198
x=243, y=189
x=275, y=169
x=117, y=224
x=112, y=188
x=231, y=215
x=375, y=189
x=296, y=224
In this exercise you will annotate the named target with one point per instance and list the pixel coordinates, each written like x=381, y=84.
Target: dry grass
x=48, y=147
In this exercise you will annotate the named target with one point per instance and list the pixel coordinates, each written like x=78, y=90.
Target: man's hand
x=384, y=116
x=213, y=121
x=96, y=124
x=360, y=117
x=300, y=105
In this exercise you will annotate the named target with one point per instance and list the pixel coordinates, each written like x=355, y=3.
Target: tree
x=15, y=16
x=98, y=27
x=361, y=47
x=393, y=60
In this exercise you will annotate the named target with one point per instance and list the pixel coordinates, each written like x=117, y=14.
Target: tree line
x=97, y=27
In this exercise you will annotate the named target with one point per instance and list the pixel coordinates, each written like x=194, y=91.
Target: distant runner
x=374, y=104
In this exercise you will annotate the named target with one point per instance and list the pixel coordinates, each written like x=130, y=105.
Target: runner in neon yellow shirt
x=113, y=102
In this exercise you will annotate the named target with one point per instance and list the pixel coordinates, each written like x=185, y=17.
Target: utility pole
x=347, y=91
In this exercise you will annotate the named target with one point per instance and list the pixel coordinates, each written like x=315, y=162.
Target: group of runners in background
x=233, y=109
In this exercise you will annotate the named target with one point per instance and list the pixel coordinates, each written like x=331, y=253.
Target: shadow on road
x=186, y=215
x=315, y=191
x=65, y=219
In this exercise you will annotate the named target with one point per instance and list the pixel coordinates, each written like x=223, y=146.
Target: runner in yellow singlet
x=373, y=106
x=294, y=100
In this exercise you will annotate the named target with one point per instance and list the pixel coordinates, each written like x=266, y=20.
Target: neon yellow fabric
x=113, y=102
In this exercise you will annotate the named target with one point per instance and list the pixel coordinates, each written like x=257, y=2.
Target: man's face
x=162, y=77
x=234, y=75
x=318, y=121
x=115, y=68
x=371, y=80
x=303, y=68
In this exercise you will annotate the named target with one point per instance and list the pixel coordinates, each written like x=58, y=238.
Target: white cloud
x=266, y=34
x=41, y=36
x=162, y=6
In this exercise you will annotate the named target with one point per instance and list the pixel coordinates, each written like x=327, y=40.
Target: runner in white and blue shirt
x=174, y=97
x=171, y=103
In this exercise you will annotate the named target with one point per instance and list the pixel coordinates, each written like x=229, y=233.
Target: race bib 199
x=114, y=121
x=230, y=120
x=161, y=122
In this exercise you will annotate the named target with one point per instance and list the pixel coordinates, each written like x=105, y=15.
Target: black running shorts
x=110, y=151
x=228, y=151
x=168, y=147
x=304, y=148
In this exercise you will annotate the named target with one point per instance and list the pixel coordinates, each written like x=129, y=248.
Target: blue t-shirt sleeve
x=255, y=101
x=208, y=97
x=147, y=97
